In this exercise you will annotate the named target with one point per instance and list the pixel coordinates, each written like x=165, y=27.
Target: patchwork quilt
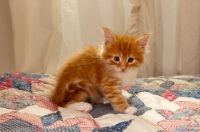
x=170, y=104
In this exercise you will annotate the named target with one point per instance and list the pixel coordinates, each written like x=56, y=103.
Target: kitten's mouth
x=123, y=71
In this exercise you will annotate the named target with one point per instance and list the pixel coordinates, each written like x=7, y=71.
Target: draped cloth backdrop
x=46, y=32
x=175, y=42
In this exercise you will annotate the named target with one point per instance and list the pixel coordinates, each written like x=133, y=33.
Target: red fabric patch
x=85, y=124
x=46, y=103
x=169, y=95
x=188, y=105
x=33, y=119
x=170, y=125
x=6, y=83
x=3, y=87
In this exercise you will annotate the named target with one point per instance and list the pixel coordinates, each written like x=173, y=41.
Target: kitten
x=97, y=73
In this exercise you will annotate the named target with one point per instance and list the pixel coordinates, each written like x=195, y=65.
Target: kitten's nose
x=123, y=69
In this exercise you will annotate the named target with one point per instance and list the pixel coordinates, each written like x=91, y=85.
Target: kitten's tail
x=59, y=93
x=65, y=91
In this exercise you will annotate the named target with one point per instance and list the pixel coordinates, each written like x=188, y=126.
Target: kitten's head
x=124, y=52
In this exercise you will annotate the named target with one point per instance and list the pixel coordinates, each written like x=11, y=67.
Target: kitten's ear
x=143, y=41
x=109, y=36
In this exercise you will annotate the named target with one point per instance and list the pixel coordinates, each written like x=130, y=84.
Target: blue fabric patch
x=157, y=92
x=74, y=128
x=17, y=125
x=141, y=108
x=51, y=118
x=167, y=84
x=102, y=109
x=21, y=85
x=148, y=80
x=184, y=113
x=187, y=128
x=137, y=89
x=35, y=76
x=5, y=76
x=116, y=128
x=195, y=94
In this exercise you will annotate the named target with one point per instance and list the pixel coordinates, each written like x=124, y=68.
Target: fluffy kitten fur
x=97, y=73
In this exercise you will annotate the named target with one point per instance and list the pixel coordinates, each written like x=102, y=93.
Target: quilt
x=170, y=104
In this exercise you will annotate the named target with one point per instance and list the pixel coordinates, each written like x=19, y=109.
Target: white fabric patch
x=72, y=113
x=152, y=116
x=196, y=101
x=4, y=111
x=36, y=110
x=81, y=106
x=141, y=125
x=157, y=102
x=137, y=124
x=112, y=119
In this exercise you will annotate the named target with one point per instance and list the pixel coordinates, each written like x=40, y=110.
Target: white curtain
x=46, y=32
x=189, y=32
x=175, y=43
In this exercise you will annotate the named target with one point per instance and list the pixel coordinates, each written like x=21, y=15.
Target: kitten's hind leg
x=78, y=101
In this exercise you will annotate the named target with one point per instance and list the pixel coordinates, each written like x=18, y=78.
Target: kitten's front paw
x=131, y=110
x=81, y=106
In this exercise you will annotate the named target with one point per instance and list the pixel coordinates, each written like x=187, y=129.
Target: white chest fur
x=127, y=77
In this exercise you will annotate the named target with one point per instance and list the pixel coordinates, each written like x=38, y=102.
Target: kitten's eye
x=116, y=58
x=130, y=60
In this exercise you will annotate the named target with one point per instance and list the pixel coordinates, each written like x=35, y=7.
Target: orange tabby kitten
x=97, y=73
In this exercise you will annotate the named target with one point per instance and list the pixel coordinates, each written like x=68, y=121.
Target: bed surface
x=163, y=103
